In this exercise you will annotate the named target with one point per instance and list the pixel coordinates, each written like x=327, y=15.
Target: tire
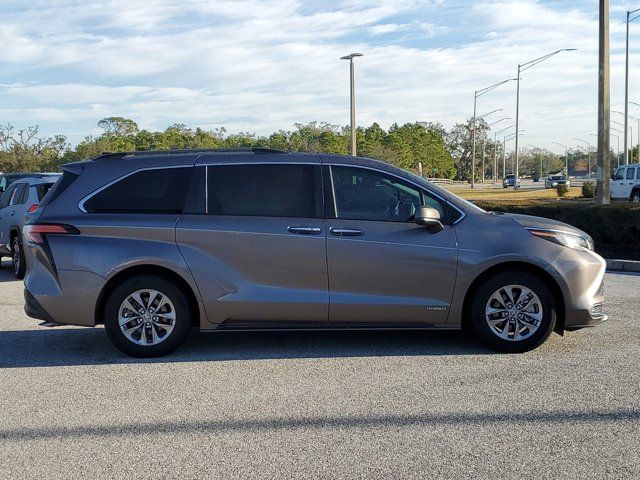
x=541, y=305
x=17, y=257
x=635, y=196
x=159, y=340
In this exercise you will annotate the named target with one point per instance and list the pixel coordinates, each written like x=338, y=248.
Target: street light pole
x=494, y=148
x=495, y=140
x=626, y=87
x=477, y=94
x=521, y=68
x=350, y=57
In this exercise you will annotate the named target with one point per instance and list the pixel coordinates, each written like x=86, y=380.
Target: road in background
x=320, y=405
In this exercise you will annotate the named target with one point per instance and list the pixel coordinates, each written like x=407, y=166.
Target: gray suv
x=17, y=203
x=151, y=244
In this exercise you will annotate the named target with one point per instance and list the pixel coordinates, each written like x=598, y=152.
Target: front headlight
x=566, y=239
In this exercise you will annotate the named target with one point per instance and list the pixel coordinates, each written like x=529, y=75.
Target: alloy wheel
x=147, y=317
x=514, y=312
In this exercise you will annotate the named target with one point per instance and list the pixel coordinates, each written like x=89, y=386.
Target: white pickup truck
x=625, y=184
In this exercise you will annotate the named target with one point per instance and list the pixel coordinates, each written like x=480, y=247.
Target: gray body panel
x=252, y=272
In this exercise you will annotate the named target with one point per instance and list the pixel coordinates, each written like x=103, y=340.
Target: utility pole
x=626, y=80
x=604, y=108
x=352, y=96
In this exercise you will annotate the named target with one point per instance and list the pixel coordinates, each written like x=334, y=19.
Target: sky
x=260, y=66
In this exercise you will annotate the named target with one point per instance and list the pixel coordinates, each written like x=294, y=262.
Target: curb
x=623, y=265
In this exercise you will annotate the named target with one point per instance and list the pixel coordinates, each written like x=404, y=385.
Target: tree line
x=441, y=153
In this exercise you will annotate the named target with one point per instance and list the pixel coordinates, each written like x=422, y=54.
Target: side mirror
x=429, y=217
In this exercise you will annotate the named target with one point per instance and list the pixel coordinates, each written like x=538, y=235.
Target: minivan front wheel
x=513, y=312
x=147, y=316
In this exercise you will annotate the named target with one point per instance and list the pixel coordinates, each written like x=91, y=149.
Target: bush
x=562, y=189
x=587, y=190
x=615, y=228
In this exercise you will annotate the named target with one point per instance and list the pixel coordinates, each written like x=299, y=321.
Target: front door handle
x=305, y=230
x=345, y=232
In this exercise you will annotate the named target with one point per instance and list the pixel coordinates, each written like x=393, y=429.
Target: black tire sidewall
x=168, y=288
x=22, y=270
x=536, y=285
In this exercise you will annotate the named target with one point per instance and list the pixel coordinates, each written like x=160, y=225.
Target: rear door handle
x=345, y=232
x=305, y=230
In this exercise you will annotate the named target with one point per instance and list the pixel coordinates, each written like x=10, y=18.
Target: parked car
x=151, y=244
x=510, y=181
x=20, y=200
x=625, y=184
x=552, y=181
x=7, y=179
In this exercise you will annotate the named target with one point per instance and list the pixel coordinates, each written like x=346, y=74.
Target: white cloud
x=264, y=65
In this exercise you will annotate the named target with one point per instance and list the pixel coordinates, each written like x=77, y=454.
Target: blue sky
x=257, y=66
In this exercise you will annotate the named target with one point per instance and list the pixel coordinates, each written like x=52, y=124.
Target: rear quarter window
x=161, y=190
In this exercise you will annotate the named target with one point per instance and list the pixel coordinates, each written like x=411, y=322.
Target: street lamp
x=638, y=105
x=504, y=148
x=626, y=85
x=629, y=129
x=350, y=57
x=638, y=120
x=588, y=152
x=566, y=156
x=477, y=94
x=494, y=149
x=521, y=68
x=495, y=153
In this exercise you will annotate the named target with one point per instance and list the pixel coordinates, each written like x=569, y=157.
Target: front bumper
x=582, y=275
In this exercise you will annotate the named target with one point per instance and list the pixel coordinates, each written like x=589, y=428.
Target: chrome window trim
x=421, y=187
x=317, y=163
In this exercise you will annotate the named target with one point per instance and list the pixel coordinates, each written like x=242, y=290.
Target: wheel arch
x=139, y=270
x=521, y=267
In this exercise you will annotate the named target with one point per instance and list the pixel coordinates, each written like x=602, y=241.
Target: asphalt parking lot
x=367, y=405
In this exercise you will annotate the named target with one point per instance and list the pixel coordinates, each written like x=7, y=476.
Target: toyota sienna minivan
x=151, y=244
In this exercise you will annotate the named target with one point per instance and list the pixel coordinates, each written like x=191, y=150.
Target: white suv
x=625, y=184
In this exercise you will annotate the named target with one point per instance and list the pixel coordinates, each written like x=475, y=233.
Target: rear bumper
x=33, y=308
x=67, y=298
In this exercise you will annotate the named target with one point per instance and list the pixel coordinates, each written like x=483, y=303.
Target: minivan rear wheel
x=513, y=312
x=147, y=316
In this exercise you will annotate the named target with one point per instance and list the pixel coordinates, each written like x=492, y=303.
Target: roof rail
x=116, y=155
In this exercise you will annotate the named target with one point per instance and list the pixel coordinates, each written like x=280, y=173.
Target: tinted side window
x=16, y=198
x=362, y=194
x=24, y=195
x=160, y=190
x=6, y=196
x=265, y=190
x=630, y=173
x=42, y=189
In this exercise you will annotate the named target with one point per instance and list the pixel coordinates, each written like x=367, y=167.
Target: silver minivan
x=151, y=244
